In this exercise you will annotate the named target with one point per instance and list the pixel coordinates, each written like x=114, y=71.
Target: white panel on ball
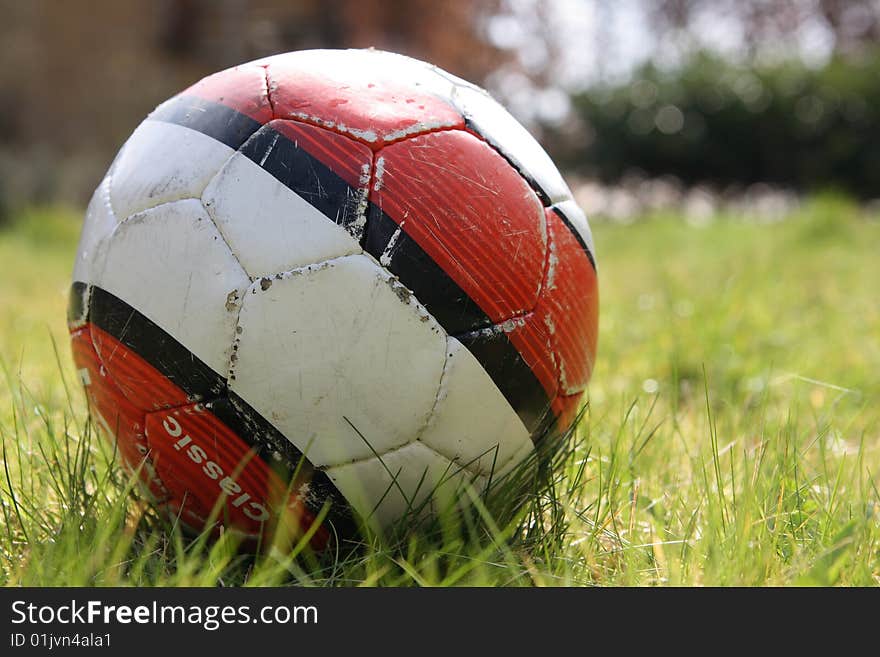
x=171, y=264
x=337, y=343
x=473, y=424
x=269, y=227
x=99, y=223
x=163, y=162
x=383, y=489
x=512, y=140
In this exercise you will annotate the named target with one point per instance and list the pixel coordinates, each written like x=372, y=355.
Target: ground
x=732, y=435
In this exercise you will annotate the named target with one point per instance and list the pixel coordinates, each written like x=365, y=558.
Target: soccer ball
x=342, y=278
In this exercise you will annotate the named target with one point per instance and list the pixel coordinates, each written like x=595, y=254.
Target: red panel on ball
x=345, y=157
x=202, y=460
x=565, y=408
x=531, y=339
x=374, y=110
x=569, y=306
x=140, y=382
x=116, y=416
x=242, y=88
x=471, y=212
x=193, y=457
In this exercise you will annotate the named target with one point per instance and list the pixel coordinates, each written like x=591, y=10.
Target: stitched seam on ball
x=110, y=173
x=233, y=346
x=236, y=340
x=430, y=415
x=545, y=287
x=376, y=144
x=368, y=175
x=507, y=326
x=374, y=185
x=547, y=253
x=391, y=450
x=210, y=213
x=374, y=181
x=103, y=242
x=224, y=238
x=128, y=219
x=209, y=209
x=256, y=286
x=268, y=83
x=199, y=192
x=496, y=466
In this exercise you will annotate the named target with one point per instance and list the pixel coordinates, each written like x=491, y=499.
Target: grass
x=732, y=435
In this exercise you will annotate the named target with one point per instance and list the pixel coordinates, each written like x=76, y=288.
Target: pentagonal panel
x=339, y=357
x=473, y=424
x=172, y=265
x=375, y=97
x=280, y=207
x=413, y=479
x=163, y=162
x=505, y=133
x=99, y=223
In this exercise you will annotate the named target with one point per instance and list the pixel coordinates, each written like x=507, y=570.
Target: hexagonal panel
x=281, y=208
x=163, y=162
x=332, y=347
x=383, y=489
x=473, y=424
x=172, y=265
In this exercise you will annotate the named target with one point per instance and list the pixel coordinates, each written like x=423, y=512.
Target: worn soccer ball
x=342, y=278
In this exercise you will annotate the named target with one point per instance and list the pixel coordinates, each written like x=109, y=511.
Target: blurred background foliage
x=713, y=95
x=712, y=120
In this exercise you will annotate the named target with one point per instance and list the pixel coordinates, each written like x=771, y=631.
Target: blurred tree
x=78, y=77
x=711, y=120
x=225, y=32
x=852, y=24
